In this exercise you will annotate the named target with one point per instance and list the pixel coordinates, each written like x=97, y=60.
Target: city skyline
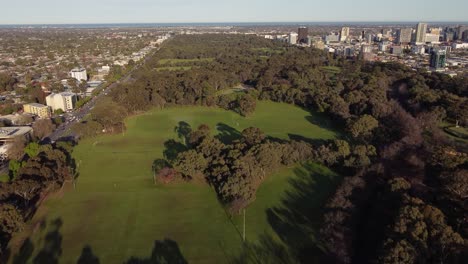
x=210, y=11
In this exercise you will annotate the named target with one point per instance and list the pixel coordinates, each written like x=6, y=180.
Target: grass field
x=115, y=212
x=174, y=68
x=183, y=61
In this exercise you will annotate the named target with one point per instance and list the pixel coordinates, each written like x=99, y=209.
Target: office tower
x=449, y=36
x=438, y=58
x=303, y=32
x=462, y=33
x=344, y=33
x=293, y=38
x=404, y=35
x=363, y=34
x=421, y=33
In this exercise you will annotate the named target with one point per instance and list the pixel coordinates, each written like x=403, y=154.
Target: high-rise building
x=292, y=38
x=404, y=35
x=438, y=59
x=462, y=33
x=303, y=33
x=64, y=101
x=421, y=33
x=344, y=33
x=79, y=74
x=449, y=36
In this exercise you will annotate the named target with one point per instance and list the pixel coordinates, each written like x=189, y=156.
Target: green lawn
x=117, y=213
x=174, y=68
x=182, y=61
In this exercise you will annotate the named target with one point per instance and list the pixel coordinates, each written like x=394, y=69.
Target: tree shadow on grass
x=51, y=251
x=323, y=121
x=296, y=221
x=312, y=141
x=172, y=149
x=227, y=134
x=87, y=256
x=183, y=130
x=164, y=252
x=25, y=252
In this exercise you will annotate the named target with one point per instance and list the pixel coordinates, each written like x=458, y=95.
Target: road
x=78, y=115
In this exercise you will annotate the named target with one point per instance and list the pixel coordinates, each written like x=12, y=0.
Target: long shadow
x=297, y=220
x=172, y=149
x=164, y=252
x=312, y=141
x=183, y=130
x=51, y=250
x=227, y=134
x=323, y=121
x=25, y=252
x=87, y=256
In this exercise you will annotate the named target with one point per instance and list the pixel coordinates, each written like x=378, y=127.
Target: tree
x=246, y=105
x=363, y=126
x=191, y=164
x=32, y=149
x=11, y=219
x=83, y=86
x=42, y=128
x=16, y=148
x=195, y=137
x=456, y=183
x=109, y=114
x=253, y=136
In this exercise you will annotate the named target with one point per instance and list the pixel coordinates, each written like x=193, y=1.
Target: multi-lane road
x=63, y=130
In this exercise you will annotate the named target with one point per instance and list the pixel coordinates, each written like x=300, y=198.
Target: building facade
x=420, y=36
x=40, y=110
x=344, y=33
x=79, y=73
x=292, y=38
x=404, y=35
x=438, y=59
x=65, y=101
x=303, y=33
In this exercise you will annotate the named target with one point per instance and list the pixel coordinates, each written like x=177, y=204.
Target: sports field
x=115, y=213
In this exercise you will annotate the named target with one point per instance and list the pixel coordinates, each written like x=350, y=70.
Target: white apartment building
x=293, y=38
x=344, y=34
x=79, y=74
x=65, y=101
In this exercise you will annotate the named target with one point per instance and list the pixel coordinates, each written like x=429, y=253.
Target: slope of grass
x=114, y=212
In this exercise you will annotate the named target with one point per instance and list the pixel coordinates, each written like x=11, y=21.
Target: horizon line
x=235, y=22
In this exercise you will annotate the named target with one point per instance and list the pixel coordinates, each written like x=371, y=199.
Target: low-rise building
x=7, y=135
x=40, y=110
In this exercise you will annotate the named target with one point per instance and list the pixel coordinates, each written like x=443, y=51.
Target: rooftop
x=36, y=105
x=11, y=132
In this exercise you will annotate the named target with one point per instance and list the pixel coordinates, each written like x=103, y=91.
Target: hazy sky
x=146, y=11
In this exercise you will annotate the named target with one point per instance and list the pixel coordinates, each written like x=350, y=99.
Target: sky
x=184, y=11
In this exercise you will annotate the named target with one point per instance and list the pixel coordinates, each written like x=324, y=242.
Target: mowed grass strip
x=117, y=212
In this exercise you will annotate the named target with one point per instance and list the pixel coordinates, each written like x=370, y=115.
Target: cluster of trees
x=236, y=169
x=36, y=171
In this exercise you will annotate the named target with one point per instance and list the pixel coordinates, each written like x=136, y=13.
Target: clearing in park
x=115, y=214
